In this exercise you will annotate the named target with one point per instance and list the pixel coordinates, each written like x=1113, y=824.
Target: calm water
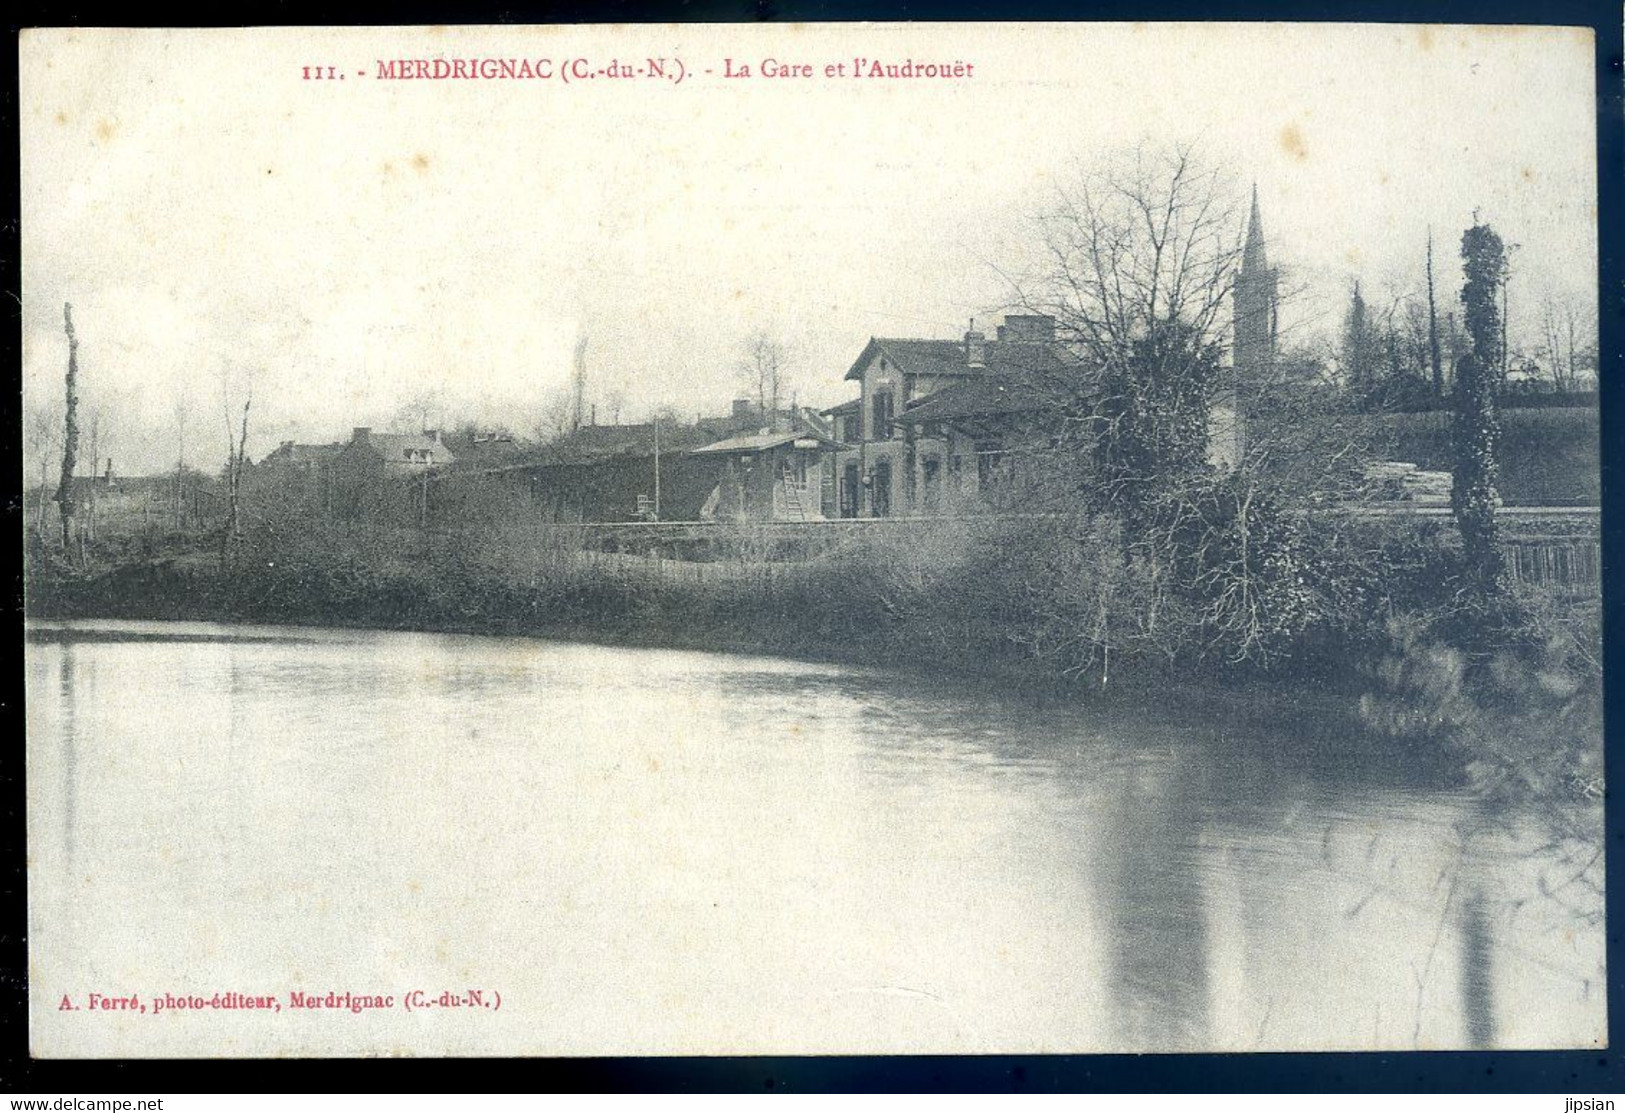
x=650, y=851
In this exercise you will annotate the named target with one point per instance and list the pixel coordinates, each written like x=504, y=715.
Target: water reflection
x=1477, y=975
x=830, y=859
x=69, y=742
x=1146, y=876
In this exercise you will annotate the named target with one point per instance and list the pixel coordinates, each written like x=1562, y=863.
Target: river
x=647, y=851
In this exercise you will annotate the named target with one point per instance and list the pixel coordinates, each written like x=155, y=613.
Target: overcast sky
x=349, y=245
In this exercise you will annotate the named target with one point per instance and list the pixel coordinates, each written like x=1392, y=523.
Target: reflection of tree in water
x=1153, y=907
x=1300, y=821
x=1477, y=973
x=1516, y=883
x=67, y=674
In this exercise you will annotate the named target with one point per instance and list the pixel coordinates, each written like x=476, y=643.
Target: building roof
x=844, y=408
x=131, y=484
x=592, y=443
x=983, y=397
x=940, y=358
x=761, y=442
x=400, y=446
x=289, y=453
x=480, y=451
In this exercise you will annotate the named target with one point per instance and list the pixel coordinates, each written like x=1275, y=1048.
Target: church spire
x=1253, y=259
x=1255, y=304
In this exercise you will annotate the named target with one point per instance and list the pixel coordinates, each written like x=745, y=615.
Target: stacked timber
x=1397, y=481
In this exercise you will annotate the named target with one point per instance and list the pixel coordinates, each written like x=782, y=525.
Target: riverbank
x=969, y=617
x=790, y=619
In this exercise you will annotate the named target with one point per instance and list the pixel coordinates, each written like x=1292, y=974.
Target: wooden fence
x=1571, y=564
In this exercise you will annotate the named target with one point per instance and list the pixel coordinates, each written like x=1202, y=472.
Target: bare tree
x=1139, y=260
x=41, y=423
x=615, y=402
x=95, y=463
x=578, y=386
x=762, y=372
x=555, y=418
x=1148, y=241
x=423, y=411
x=1567, y=341
x=70, y=436
x=236, y=459
x=183, y=417
x=1435, y=360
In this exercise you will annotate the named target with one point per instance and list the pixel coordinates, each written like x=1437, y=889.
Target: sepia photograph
x=811, y=539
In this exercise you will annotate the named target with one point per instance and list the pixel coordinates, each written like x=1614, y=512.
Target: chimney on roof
x=1028, y=328
x=744, y=408
x=975, y=347
x=362, y=434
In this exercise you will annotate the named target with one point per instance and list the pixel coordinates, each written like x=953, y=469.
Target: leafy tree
x=1150, y=423
x=1476, y=431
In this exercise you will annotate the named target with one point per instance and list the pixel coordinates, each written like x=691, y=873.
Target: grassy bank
x=933, y=603
x=1046, y=608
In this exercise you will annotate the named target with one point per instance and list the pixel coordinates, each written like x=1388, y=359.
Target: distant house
x=123, y=502
x=768, y=476
x=485, y=450
x=394, y=453
x=306, y=458
x=367, y=472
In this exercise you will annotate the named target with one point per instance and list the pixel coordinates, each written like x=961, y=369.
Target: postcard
x=811, y=539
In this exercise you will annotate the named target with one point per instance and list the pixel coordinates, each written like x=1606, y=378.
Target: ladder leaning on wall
x=795, y=510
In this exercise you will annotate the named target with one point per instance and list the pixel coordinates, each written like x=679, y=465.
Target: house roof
x=289, y=453
x=761, y=442
x=983, y=397
x=399, y=446
x=844, y=408
x=914, y=357
x=941, y=358
x=814, y=422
